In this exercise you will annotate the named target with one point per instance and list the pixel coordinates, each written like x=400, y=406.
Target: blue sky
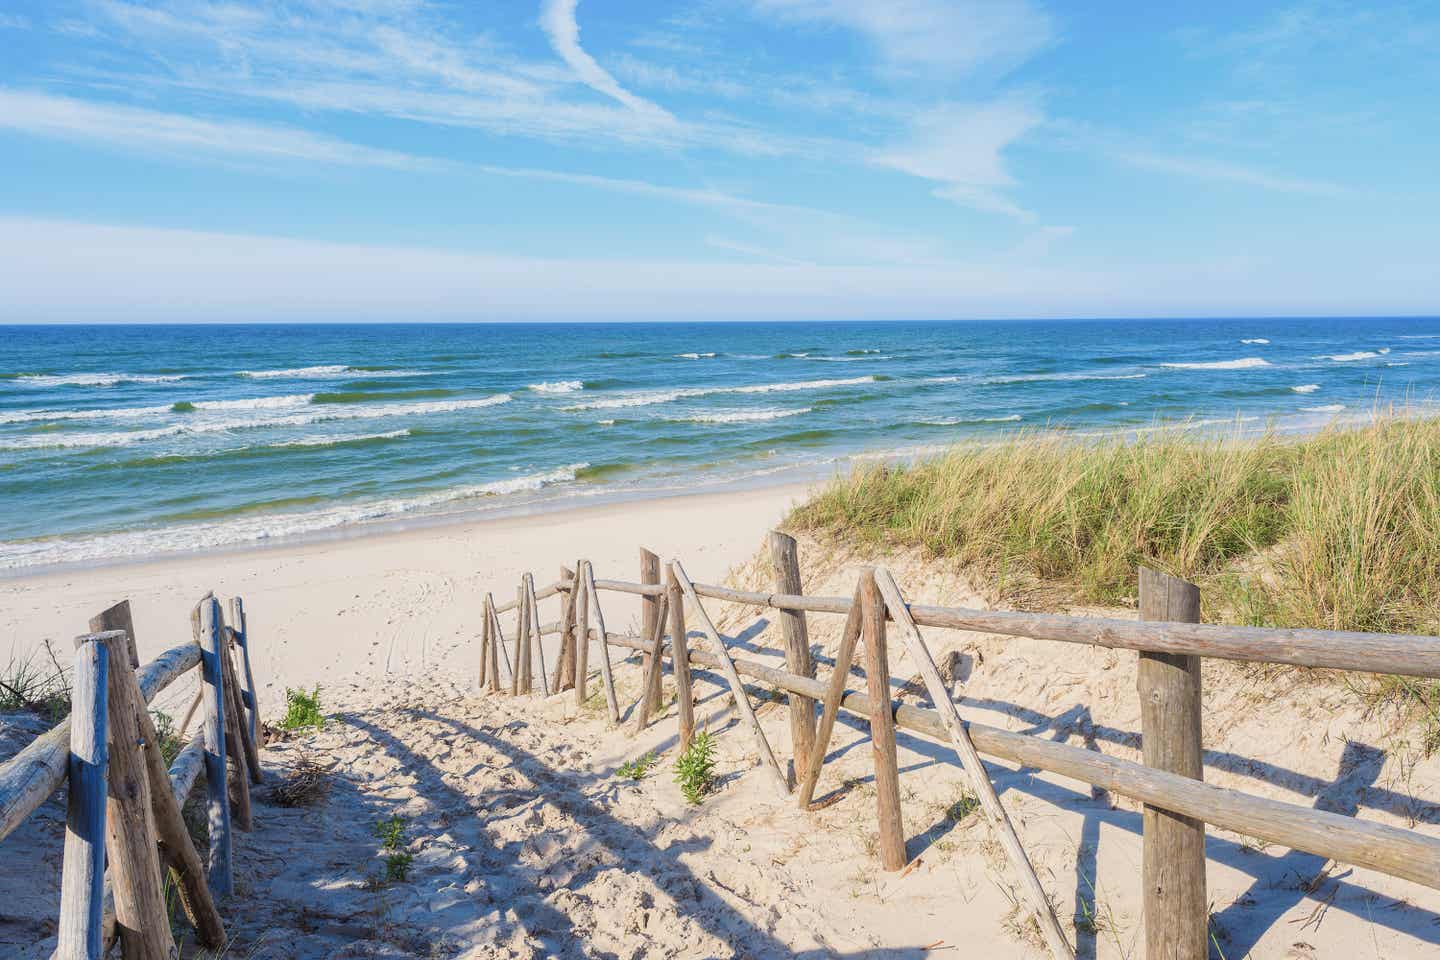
x=751, y=159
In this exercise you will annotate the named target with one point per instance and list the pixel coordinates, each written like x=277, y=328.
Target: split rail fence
x=1168, y=640
x=124, y=805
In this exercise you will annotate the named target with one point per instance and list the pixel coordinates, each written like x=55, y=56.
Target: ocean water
x=125, y=441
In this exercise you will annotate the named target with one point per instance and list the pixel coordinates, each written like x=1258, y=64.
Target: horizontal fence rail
x=1169, y=645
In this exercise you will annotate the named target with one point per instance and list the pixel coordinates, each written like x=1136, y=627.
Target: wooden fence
x=123, y=804
x=1168, y=640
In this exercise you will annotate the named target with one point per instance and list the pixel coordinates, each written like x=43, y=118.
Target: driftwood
x=1034, y=893
x=742, y=699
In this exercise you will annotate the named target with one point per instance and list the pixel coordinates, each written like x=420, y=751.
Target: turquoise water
x=123, y=441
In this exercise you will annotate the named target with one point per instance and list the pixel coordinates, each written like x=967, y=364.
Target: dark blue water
x=127, y=440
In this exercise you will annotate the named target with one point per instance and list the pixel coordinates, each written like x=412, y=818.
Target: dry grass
x=1340, y=530
x=307, y=784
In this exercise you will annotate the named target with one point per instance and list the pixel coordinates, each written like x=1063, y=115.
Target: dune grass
x=1338, y=530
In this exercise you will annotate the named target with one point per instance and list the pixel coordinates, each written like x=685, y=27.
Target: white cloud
x=943, y=36
x=1200, y=169
x=959, y=148
x=138, y=128
x=557, y=19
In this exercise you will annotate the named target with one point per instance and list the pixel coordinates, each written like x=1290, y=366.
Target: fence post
x=580, y=630
x=484, y=644
x=1176, y=910
x=248, y=693
x=680, y=659
x=140, y=913
x=82, y=880
x=650, y=612
x=565, y=661
x=785, y=555
x=882, y=725
x=205, y=621
x=234, y=740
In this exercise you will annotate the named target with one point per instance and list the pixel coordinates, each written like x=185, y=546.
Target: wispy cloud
x=138, y=128
x=13, y=21
x=959, y=148
x=944, y=36
x=1217, y=171
x=557, y=18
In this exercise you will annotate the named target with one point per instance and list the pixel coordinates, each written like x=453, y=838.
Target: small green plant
x=397, y=866
x=962, y=808
x=639, y=768
x=302, y=710
x=166, y=733
x=695, y=767
x=391, y=832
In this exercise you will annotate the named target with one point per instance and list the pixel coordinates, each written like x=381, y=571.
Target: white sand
x=526, y=843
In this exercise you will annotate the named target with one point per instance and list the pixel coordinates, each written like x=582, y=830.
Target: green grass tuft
x=639, y=768
x=695, y=768
x=302, y=710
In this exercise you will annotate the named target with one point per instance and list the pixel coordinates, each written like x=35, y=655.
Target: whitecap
x=1257, y=340
x=1306, y=388
x=92, y=379
x=558, y=386
x=742, y=416
x=1348, y=357
x=341, y=438
x=1245, y=363
x=693, y=356
x=1049, y=377
x=666, y=396
x=329, y=371
x=1327, y=408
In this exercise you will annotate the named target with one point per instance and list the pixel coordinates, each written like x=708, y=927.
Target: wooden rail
x=1169, y=782
x=124, y=829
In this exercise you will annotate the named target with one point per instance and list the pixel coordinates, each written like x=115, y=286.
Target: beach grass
x=1336, y=530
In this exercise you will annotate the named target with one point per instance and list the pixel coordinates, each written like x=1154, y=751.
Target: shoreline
x=391, y=602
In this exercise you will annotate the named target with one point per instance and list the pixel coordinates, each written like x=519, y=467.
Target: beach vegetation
x=38, y=683
x=167, y=735
x=639, y=768
x=1339, y=530
x=306, y=785
x=695, y=768
x=396, y=858
x=302, y=710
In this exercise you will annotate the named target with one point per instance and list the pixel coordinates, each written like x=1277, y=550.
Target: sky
x=702, y=159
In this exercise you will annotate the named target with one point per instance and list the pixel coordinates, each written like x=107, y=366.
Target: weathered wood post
x=592, y=604
x=649, y=613
x=834, y=693
x=140, y=913
x=234, y=740
x=82, y=879
x=248, y=693
x=565, y=661
x=785, y=555
x=1176, y=910
x=517, y=680
x=580, y=629
x=680, y=659
x=237, y=707
x=882, y=725
x=177, y=850
x=206, y=623
x=484, y=644
x=537, y=640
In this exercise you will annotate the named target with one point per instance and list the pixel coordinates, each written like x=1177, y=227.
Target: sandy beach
x=386, y=604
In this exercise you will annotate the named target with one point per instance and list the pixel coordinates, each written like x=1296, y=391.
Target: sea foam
x=1244, y=363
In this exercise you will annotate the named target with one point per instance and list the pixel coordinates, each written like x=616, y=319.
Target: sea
x=128, y=441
